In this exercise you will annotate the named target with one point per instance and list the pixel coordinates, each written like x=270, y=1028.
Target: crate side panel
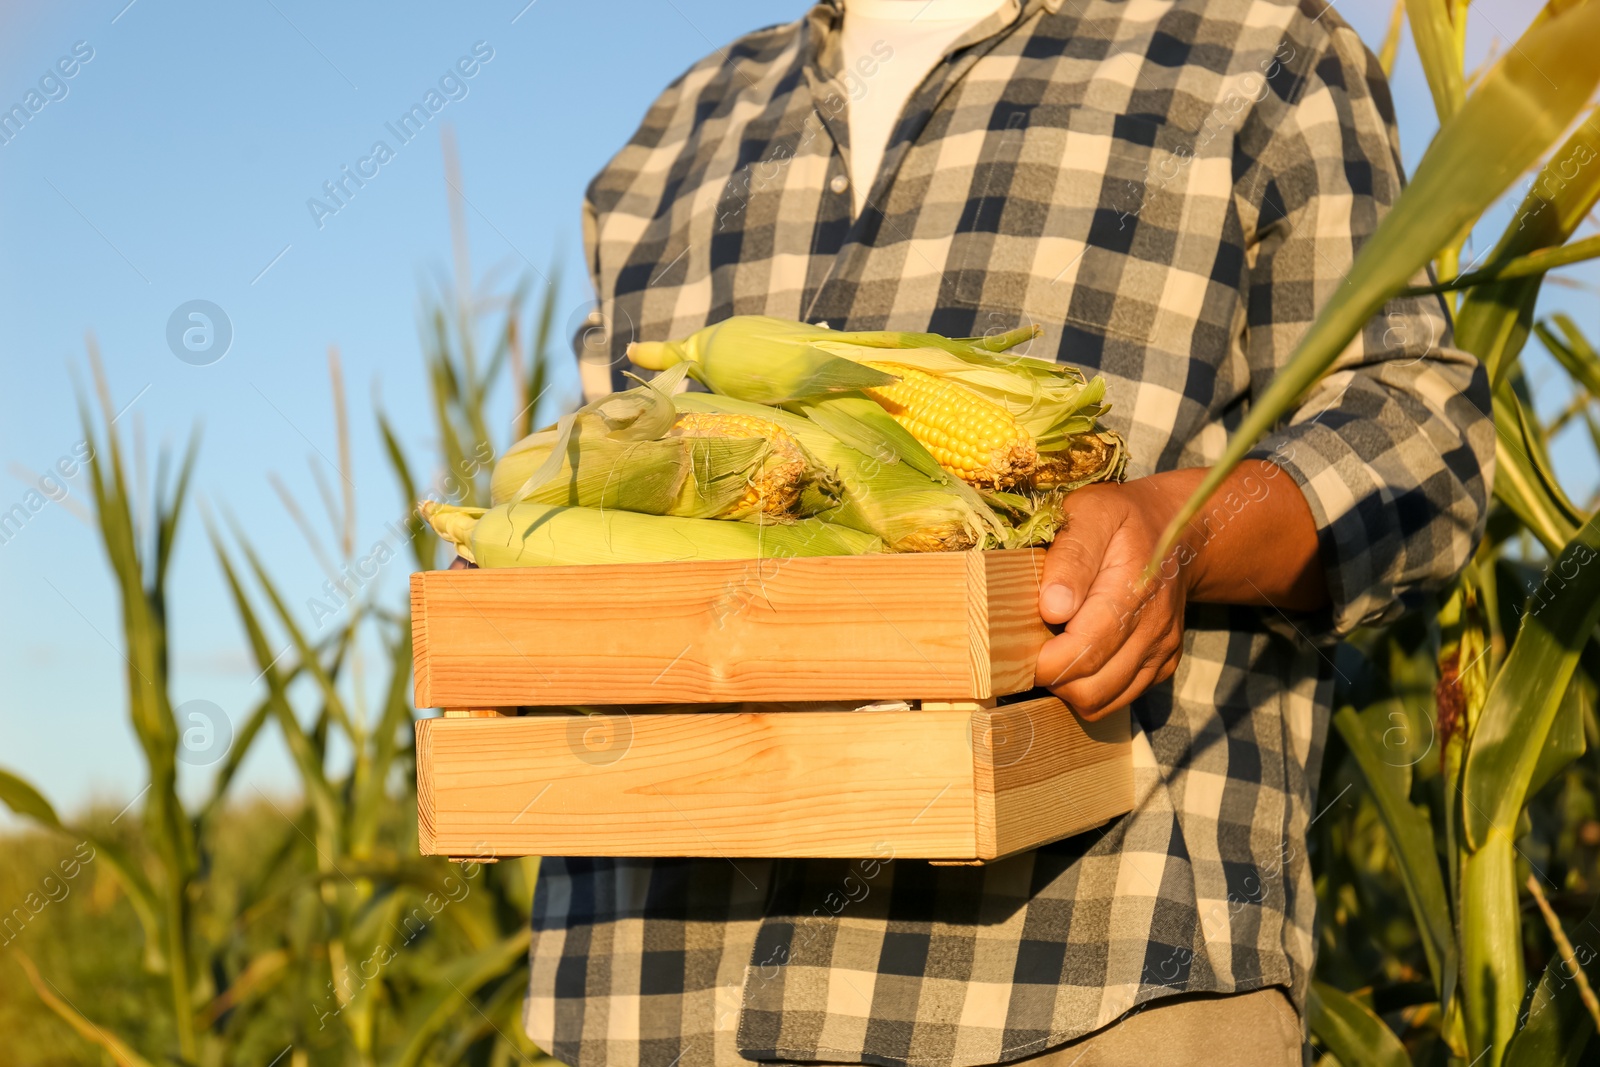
x=424, y=754
x=422, y=696
x=729, y=784
x=802, y=629
x=1016, y=632
x=978, y=635
x=1046, y=774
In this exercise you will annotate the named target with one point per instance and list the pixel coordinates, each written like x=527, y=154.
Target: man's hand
x=1254, y=543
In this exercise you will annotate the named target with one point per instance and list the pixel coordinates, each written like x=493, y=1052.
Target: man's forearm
x=1255, y=542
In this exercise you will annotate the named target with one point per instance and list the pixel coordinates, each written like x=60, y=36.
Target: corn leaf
x=500, y=1014
x=1552, y=8
x=371, y=793
x=1391, y=38
x=1348, y=1029
x=304, y=649
x=1531, y=266
x=25, y=800
x=1529, y=690
x=1491, y=943
x=699, y=477
x=1437, y=47
x=246, y=734
x=452, y=994
x=262, y=975
x=1558, y=1025
x=1494, y=318
x=424, y=545
x=1565, y=742
x=114, y=1046
x=319, y=792
x=1509, y=121
x=804, y=373
x=1525, y=479
x=1572, y=351
x=1410, y=832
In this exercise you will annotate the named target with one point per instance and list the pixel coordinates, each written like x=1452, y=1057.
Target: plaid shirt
x=1171, y=188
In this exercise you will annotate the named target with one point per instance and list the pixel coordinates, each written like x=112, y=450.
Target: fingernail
x=1056, y=601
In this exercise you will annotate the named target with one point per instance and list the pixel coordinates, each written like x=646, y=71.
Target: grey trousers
x=1256, y=1029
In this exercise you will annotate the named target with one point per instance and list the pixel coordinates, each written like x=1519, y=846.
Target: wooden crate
x=953, y=626
x=725, y=728
x=952, y=785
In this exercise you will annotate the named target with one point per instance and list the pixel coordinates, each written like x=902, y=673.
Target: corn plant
x=342, y=945
x=1501, y=679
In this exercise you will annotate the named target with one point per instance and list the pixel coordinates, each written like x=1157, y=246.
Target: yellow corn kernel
x=973, y=437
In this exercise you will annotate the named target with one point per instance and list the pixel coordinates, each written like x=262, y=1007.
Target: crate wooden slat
x=951, y=785
x=954, y=625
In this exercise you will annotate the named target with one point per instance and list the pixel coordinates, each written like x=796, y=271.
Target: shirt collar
x=821, y=48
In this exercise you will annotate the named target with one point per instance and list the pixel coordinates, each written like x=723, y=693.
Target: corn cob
x=774, y=489
x=974, y=437
x=541, y=535
x=1049, y=400
x=674, y=476
x=909, y=511
x=723, y=466
x=760, y=359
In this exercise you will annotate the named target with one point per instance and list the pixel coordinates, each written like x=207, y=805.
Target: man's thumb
x=1073, y=561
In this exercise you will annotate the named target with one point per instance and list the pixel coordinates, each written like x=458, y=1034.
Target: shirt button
x=839, y=183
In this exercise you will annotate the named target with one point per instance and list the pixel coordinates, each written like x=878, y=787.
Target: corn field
x=1457, y=844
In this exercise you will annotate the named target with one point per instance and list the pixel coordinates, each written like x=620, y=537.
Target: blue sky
x=175, y=164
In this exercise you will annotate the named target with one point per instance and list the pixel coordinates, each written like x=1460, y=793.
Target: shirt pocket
x=1113, y=223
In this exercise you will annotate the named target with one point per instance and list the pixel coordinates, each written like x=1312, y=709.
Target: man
x=1171, y=189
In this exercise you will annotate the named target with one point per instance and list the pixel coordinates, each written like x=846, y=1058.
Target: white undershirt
x=887, y=48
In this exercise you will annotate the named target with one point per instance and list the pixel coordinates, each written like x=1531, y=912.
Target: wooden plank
x=835, y=628
x=977, y=603
x=937, y=625
x=419, y=644
x=1042, y=774
x=796, y=783
x=955, y=784
x=1016, y=632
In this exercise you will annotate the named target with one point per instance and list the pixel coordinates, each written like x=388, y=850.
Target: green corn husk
x=644, y=413
x=862, y=423
x=698, y=478
x=909, y=511
x=1087, y=458
x=707, y=471
x=541, y=535
x=760, y=359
